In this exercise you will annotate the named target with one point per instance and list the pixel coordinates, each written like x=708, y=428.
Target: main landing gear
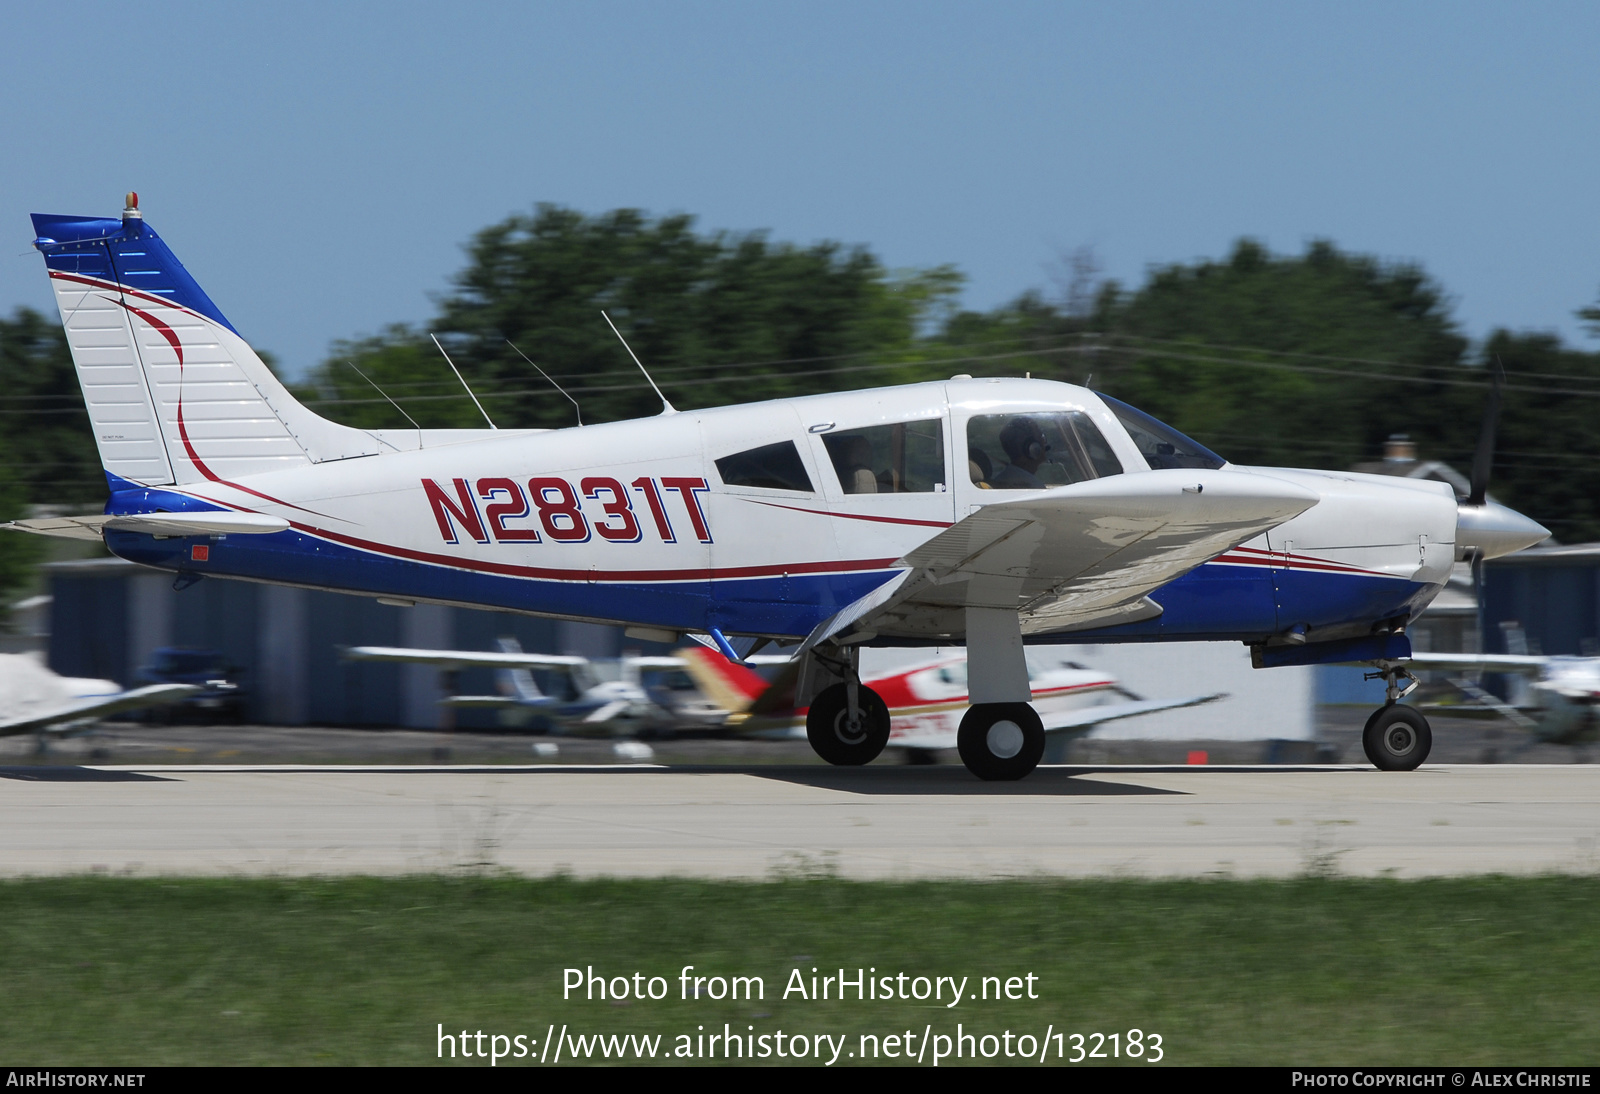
x=1396, y=738
x=848, y=724
x=1000, y=742
x=1001, y=738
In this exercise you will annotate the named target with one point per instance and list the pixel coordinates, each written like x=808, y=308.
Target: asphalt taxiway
x=759, y=821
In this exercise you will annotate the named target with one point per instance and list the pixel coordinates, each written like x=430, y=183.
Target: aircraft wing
x=78, y=710
x=474, y=701
x=1074, y=556
x=210, y=523
x=654, y=662
x=1525, y=664
x=454, y=659
x=1089, y=717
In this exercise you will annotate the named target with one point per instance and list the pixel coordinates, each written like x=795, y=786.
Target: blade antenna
x=575, y=408
x=666, y=407
x=392, y=403
x=457, y=371
x=1483, y=457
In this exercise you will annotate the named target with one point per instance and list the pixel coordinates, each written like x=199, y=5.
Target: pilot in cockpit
x=1026, y=448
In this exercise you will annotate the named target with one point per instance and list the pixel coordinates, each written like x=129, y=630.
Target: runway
x=761, y=821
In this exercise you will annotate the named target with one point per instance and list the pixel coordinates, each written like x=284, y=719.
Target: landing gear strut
x=848, y=723
x=1396, y=738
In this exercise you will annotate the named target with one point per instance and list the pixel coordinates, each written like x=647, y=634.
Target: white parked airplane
x=1556, y=699
x=990, y=512
x=620, y=707
x=35, y=700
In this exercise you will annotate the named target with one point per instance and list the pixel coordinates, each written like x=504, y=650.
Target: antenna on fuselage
x=457, y=371
x=666, y=407
x=576, y=409
x=392, y=403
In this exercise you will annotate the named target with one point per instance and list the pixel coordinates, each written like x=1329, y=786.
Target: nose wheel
x=1000, y=742
x=1396, y=738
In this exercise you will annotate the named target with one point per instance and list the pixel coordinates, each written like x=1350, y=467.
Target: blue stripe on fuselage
x=790, y=605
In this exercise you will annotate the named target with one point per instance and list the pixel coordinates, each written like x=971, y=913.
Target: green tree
x=1310, y=360
x=1591, y=318
x=47, y=444
x=1547, y=459
x=716, y=318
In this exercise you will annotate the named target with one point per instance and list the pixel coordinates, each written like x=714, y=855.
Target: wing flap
x=1074, y=556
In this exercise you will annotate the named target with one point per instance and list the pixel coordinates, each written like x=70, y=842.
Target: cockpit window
x=1036, y=451
x=1161, y=445
x=904, y=458
x=770, y=467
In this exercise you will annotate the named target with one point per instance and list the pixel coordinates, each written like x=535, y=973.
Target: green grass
x=361, y=970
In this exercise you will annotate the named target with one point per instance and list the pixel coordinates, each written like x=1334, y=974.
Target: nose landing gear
x=1396, y=738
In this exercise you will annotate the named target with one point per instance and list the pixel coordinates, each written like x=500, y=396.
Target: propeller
x=1482, y=463
x=1483, y=457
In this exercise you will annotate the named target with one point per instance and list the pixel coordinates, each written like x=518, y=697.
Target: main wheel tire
x=1397, y=738
x=1000, y=742
x=835, y=738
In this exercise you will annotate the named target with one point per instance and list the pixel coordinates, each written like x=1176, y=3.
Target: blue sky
x=318, y=166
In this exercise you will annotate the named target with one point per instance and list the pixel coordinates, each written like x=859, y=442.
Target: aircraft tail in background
x=732, y=687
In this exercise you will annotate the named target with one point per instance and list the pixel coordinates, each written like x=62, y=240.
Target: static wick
x=666, y=407
x=457, y=371
x=575, y=408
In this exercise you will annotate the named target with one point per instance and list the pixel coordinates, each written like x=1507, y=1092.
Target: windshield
x=1160, y=444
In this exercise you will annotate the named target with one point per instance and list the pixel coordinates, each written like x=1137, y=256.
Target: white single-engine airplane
x=1556, y=699
x=992, y=512
x=623, y=707
x=35, y=700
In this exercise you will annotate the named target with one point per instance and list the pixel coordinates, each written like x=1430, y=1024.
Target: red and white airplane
x=992, y=512
x=926, y=700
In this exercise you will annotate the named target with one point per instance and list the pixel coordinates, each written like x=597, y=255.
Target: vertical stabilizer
x=732, y=687
x=174, y=394
x=517, y=682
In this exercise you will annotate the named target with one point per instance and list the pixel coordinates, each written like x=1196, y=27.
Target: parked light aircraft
x=1556, y=698
x=928, y=700
x=620, y=707
x=993, y=512
x=35, y=700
